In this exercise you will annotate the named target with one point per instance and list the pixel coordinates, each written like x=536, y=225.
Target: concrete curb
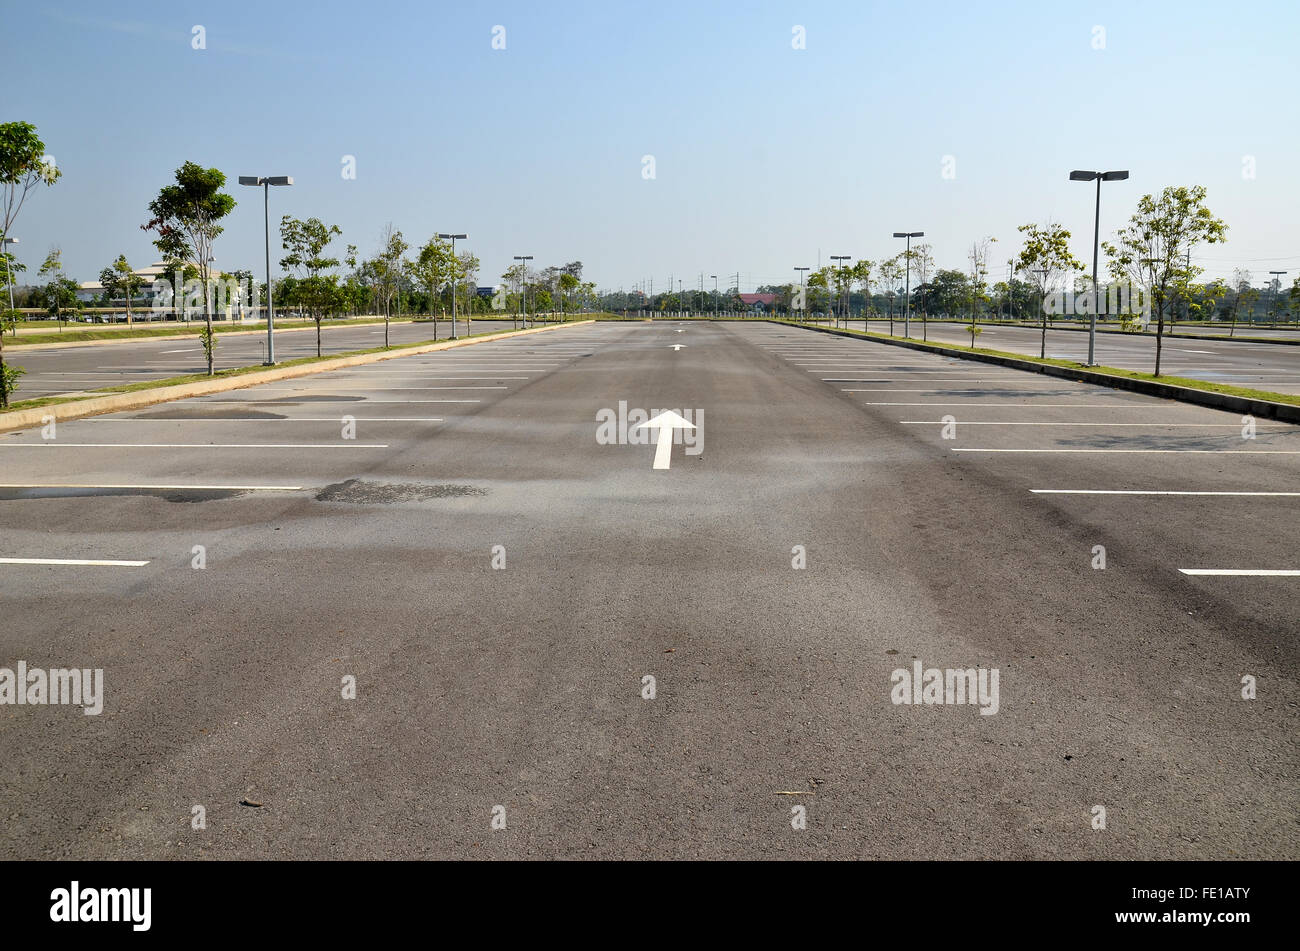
x=137, y=399
x=1283, y=412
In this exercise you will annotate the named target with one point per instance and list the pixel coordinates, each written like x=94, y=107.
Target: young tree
x=389, y=265
x=1152, y=249
x=923, y=267
x=467, y=266
x=1047, y=259
x=978, y=256
x=306, y=242
x=119, y=278
x=568, y=284
x=60, y=291
x=862, y=274
x=185, y=218
x=432, y=269
x=891, y=272
x=517, y=276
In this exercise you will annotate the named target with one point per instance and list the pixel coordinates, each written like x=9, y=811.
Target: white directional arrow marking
x=682, y=331
x=678, y=346
x=665, y=422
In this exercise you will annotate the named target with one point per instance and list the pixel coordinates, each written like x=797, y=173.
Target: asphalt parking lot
x=458, y=534
x=1261, y=366
x=77, y=367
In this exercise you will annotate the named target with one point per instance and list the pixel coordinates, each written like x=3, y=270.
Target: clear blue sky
x=765, y=155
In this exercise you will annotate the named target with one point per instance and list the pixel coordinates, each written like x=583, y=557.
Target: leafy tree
x=862, y=274
x=433, y=268
x=23, y=166
x=1152, y=250
x=568, y=284
x=119, y=278
x=185, y=218
x=1047, y=259
x=306, y=241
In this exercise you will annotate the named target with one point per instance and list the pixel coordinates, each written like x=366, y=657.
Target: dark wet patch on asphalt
x=359, y=492
x=183, y=414
x=75, y=492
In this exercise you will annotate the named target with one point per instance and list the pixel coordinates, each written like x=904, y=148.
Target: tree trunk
x=1160, y=326
x=207, y=319
x=318, y=320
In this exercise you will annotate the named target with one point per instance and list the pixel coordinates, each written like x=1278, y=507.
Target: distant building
x=92, y=291
x=760, y=303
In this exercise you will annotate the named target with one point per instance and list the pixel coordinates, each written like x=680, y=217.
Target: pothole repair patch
x=361, y=492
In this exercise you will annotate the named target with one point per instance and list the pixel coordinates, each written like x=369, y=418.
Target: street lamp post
x=523, y=285
x=453, y=280
x=907, y=316
x=266, y=183
x=715, y=294
x=803, y=306
x=1099, y=177
x=837, y=258
x=1277, y=287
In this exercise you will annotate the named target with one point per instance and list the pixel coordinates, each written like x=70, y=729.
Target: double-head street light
x=803, y=305
x=266, y=183
x=1277, y=287
x=1099, y=177
x=837, y=258
x=9, y=275
x=523, y=285
x=453, y=237
x=907, y=316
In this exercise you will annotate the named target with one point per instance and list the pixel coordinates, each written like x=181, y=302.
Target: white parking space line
x=130, y=485
x=1244, y=572
x=73, y=561
x=245, y=419
x=285, y=401
x=1156, y=492
x=972, y=422
x=341, y=385
x=1210, y=452
x=1108, y=406
x=56, y=444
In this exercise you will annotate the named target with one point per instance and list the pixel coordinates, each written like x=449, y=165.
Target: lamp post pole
x=803, y=305
x=1088, y=176
x=266, y=182
x=907, y=257
x=453, y=280
x=523, y=285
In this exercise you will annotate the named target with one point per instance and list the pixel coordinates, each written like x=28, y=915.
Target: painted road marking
x=125, y=485
x=1244, y=572
x=1149, y=492
x=1220, y=452
x=939, y=422
x=72, y=561
x=342, y=444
